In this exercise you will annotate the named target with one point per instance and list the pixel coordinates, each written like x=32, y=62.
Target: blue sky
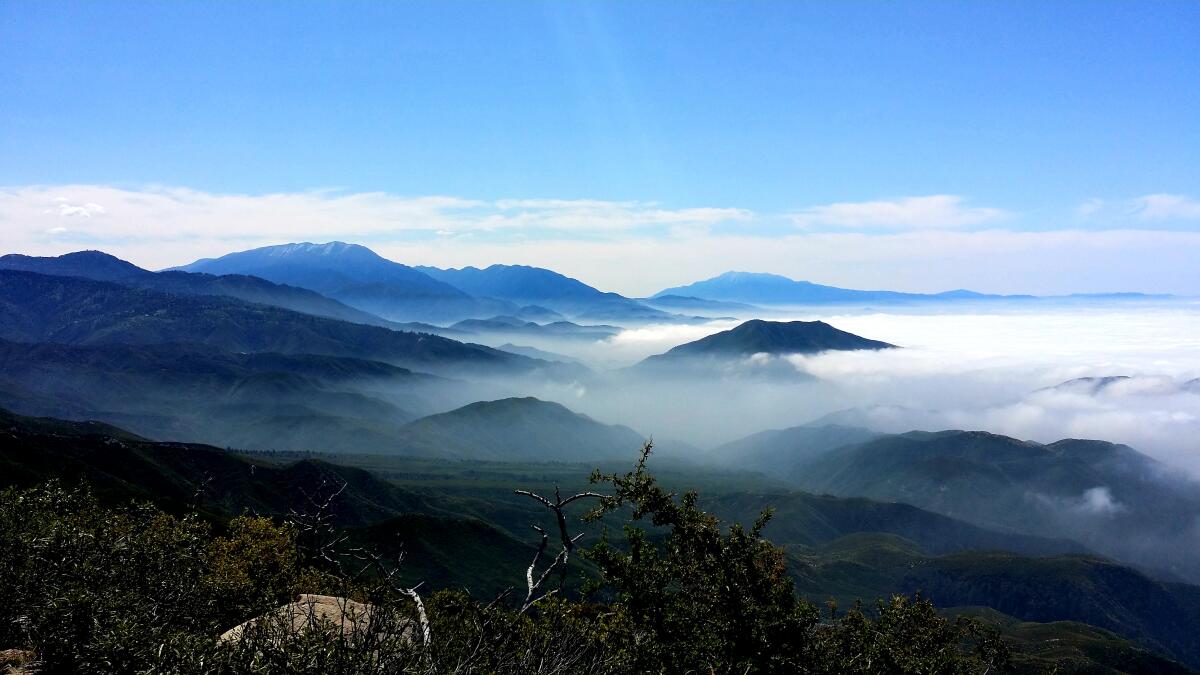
x=703, y=135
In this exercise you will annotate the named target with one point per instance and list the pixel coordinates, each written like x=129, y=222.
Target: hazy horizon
x=641, y=290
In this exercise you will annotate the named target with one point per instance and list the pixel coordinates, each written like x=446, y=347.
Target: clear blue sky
x=760, y=105
x=1033, y=108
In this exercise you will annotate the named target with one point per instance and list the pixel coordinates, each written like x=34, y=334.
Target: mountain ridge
x=527, y=285
x=1107, y=496
x=75, y=310
x=760, y=288
x=101, y=266
x=517, y=429
x=357, y=276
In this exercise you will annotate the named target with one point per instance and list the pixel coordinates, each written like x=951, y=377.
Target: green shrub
x=132, y=589
x=96, y=589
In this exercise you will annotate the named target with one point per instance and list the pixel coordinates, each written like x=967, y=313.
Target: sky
x=1004, y=147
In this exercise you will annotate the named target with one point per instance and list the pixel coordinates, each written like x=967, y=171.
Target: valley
x=240, y=384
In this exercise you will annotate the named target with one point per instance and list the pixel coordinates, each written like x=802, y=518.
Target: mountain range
x=1109, y=497
x=524, y=285
x=353, y=283
x=258, y=400
x=359, y=277
x=300, y=350
x=273, y=401
x=757, y=288
x=74, y=310
x=104, y=267
x=685, y=303
x=503, y=327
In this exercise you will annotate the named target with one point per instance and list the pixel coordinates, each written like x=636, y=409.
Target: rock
x=320, y=612
x=16, y=661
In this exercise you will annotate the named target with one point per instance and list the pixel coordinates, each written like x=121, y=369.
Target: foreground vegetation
x=90, y=588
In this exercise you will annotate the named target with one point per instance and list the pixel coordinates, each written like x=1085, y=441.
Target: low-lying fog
x=980, y=369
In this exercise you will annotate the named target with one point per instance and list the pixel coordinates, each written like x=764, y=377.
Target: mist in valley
x=1006, y=371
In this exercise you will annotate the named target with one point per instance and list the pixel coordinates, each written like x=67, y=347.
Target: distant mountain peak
x=760, y=288
x=528, y=285
x=518, y=428
x=94, y=255
x=775, y=338
x=1089, y=385
x=90, y=264
x=759, y=336
x=329, y=248
x=359, y=277
x=309, y=250
x=736, y=275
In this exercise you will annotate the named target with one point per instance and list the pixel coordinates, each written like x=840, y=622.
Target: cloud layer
x=1001, y=372
x=994, y=370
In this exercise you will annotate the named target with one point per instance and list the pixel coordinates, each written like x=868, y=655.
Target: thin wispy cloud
x=1168, y=207
x=186, y=213
x=1159, y=208
x=906, y=213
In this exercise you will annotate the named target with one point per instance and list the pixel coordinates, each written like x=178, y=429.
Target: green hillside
x=517, y=429
x=1109, y=497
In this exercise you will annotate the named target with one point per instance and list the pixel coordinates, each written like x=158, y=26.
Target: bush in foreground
x=132, y=589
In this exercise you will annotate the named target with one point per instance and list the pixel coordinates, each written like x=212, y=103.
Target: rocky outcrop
x=324, y=613
x=16, y=661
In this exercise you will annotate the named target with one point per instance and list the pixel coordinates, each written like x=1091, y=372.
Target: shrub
x=132, y=589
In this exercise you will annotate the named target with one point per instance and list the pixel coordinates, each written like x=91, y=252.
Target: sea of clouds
x=992, y=370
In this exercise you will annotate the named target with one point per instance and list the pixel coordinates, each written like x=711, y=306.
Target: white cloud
x=1160, y=207
x=168, y=213
x=998, y=370
x=906, y=213
x=629, y=247
x=1167, y=207
x=86, y=210
x=600, y=216
x=1098, y=501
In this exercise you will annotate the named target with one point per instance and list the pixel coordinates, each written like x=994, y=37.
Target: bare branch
x=568, y=544
x=581, y=495
x=426, y=634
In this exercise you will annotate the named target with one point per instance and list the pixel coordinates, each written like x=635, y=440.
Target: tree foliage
x=132, y=589
x=699, y=597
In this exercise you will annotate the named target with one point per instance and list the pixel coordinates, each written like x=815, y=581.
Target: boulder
x=320, y=612
x=16, y=661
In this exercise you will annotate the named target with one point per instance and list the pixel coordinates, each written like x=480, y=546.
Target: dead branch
x=534, y=585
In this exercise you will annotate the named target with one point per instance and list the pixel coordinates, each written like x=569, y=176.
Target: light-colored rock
x=16, y=661
x=315, y=612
